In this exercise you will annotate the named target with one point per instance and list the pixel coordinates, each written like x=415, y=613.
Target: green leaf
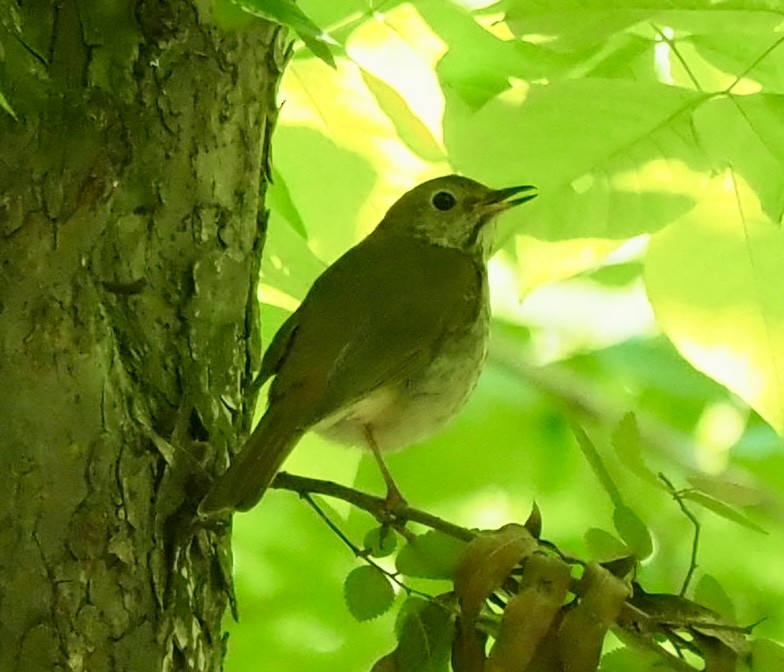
x=576, y=25
x=625, y=659
x=633, y=531
x=604, y=546
x=626, y=441
x=730, y=54
x=432, y=555
x=714, y=280
x=478, y=64
x=425, y=631
x=540, y=262
x=745, y=132
x=598, y=21
x=728, y=491
x=410, y=129
x=625, y=169
x=368, y=593
x=766, y=656
x=593, y=458
x=229, y=16
x=721, y=509
x=387, y=663
x=288, y=14
x=708, y=592
x=618, y=275
x=381, y=542
x=279, y=199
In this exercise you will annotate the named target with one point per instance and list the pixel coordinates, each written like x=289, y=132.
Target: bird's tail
x=242, y=486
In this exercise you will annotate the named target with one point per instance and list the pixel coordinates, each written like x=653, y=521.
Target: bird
x=388, y=343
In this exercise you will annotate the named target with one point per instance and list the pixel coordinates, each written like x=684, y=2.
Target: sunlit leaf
x=541, y=262
x=714, y=280
x=744, y=133
x=409, y=127
x=573, y=25
x=626, y=173
x=735, y=56
x=478, y=64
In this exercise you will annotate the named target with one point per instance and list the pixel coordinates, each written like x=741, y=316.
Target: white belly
x=411, y=412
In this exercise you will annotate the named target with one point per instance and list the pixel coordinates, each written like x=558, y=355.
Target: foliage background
x=645, y=279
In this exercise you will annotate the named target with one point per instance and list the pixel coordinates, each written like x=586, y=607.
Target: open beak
x=500, y=199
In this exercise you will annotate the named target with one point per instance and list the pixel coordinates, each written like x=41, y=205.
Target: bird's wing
x=277, y=349
x=376, y=316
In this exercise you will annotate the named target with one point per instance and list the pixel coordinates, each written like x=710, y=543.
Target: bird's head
x=453, y=211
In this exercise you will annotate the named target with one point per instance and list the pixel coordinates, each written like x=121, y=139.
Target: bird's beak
x=497, y=202
x=499, y=199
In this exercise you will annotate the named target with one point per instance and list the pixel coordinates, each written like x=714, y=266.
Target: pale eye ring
x=443, y=201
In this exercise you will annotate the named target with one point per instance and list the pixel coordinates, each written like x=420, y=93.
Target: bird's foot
x=394, y=501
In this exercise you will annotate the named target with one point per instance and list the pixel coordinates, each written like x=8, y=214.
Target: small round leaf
x=368, y=593
x=380, y=542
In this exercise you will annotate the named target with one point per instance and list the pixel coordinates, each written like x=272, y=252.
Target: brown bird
x=388, y=343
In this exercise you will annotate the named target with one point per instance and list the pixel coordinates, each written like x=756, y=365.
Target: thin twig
x=358, y=552
x=695, y=541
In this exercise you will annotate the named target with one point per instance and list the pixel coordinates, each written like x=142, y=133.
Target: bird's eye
x=443, y=201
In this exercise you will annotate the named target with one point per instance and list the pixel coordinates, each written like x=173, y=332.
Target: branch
x=375, y=506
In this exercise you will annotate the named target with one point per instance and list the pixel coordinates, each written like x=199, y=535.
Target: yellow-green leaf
x=715, y=282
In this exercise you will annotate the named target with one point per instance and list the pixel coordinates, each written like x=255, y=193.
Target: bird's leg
x=394, y=498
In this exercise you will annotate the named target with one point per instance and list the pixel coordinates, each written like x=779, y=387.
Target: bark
x=131, y=221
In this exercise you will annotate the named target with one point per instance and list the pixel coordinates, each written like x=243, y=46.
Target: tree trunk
x=131, y=220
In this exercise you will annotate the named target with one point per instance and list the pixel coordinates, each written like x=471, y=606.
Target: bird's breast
x=405, y=413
